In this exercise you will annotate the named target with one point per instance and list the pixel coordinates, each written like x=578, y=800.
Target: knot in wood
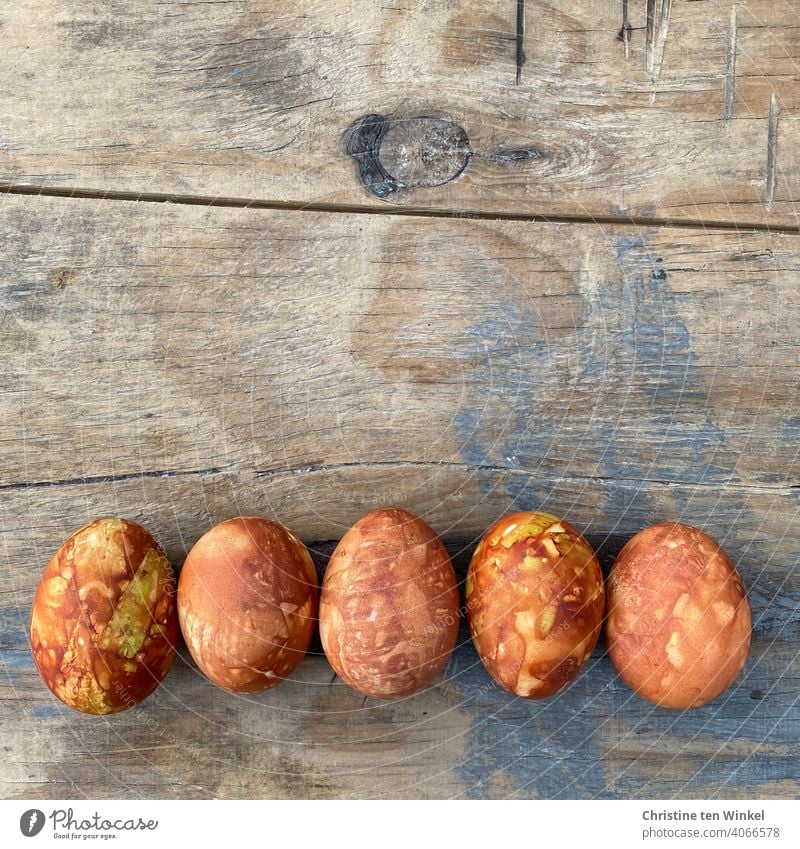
x=404, y=153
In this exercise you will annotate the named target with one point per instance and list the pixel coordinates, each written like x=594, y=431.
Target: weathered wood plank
x=146, y=339
x=179, y=365
x=692, y=118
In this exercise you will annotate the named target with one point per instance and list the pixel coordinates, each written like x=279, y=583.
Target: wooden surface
x=178, y=365
x=649, y=108
x=350, y=302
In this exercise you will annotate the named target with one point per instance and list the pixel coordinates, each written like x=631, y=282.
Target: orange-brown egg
x=247, y=603
x=535, y=603
x=679, y=627
x=389, y=606
x=103, y=622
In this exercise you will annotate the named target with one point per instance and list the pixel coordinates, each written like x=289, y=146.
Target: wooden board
x=647, y=108
x=178, y=365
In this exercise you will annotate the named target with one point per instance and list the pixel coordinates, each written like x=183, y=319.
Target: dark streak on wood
x=520, y=30
x=624, y=35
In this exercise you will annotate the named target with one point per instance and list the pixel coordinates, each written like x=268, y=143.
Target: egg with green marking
x=103, y=624
x=535, y=603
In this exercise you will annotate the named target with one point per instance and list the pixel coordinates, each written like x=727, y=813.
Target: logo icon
x=31, y=822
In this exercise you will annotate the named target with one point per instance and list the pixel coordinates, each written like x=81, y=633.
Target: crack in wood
x=730, y=70
x=213, y=201
x=467, y=468
x=160, y=473
x=658, y=12
x=772, y=149
x=325, y=468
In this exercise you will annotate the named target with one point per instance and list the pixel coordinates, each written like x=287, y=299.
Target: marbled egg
x=389, y=606
x=247, y=603
x=103, y=622
x=535, y=603
x=678, y=627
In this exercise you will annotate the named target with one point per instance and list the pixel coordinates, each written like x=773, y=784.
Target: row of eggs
x=106, y=613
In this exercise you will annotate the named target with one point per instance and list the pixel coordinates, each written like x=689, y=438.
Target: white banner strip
x=595, y=824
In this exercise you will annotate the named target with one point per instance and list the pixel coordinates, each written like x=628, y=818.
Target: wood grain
x=688, y=112
x=178, y=365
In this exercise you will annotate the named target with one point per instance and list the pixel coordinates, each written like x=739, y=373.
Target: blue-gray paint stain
x=47, y=710
x=653, y=333
x=16, y=658
x=15, y=663
x=14, y=625
x=510, y=358
x=790, y=429
x=511, y=355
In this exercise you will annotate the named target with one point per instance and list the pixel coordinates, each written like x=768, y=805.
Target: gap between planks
x=412, y=211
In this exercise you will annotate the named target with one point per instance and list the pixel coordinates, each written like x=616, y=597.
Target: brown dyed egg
x=389, y=608
x=103, y=623
x=678, y=628
x=535, y=603
x=247, y=603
